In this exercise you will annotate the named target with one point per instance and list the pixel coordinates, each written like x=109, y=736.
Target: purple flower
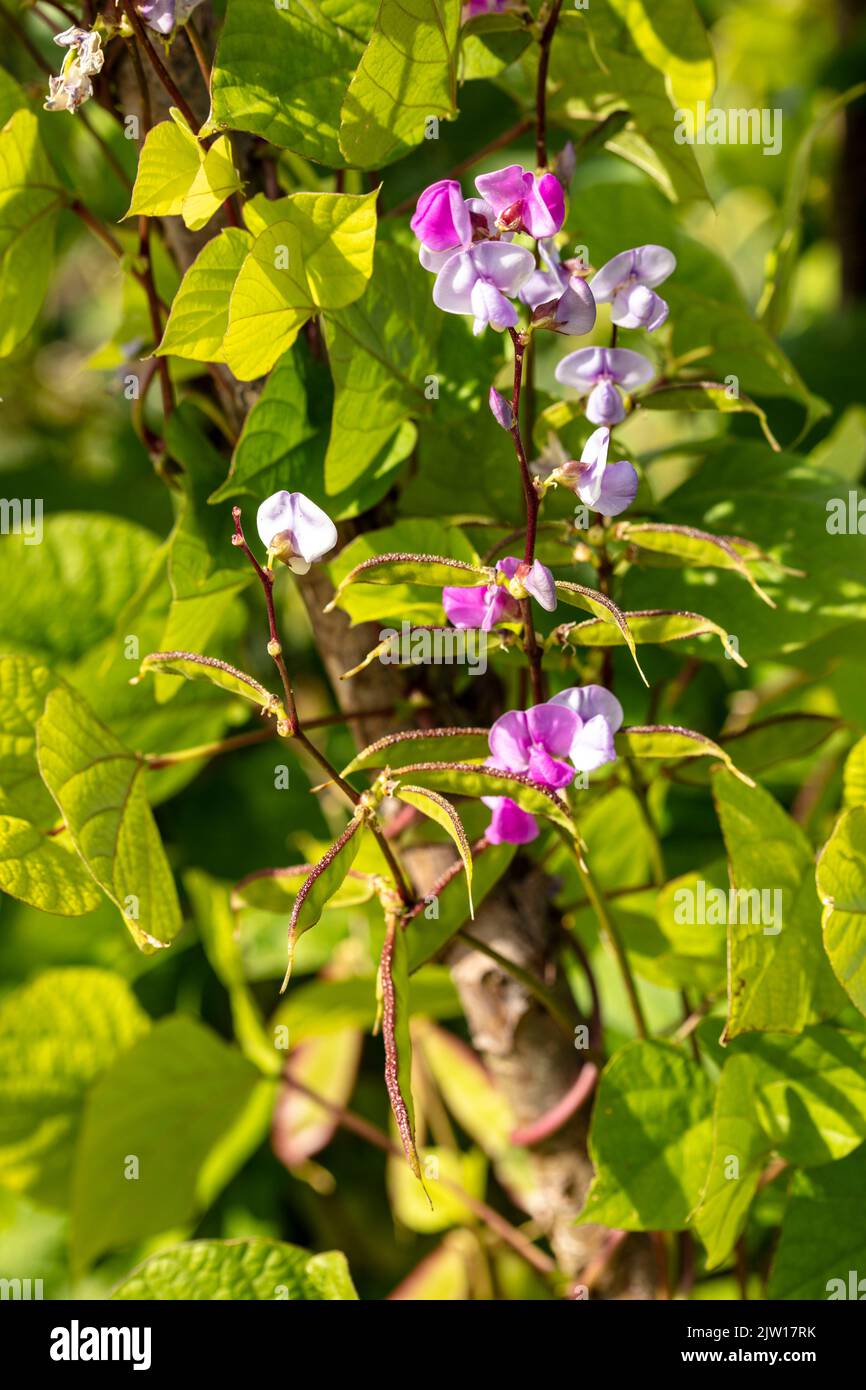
x=500, y=409
x=597, y=372
x=561, y=301
x=481, y=607
x=522, y=579
x=523, y=202
x=158, y=15
x=442, y=221
x=473, y=8
x=295, y=530
x=599, y=715
x=536, y=741
x=627, y=283
x=476, y=282
x=509, y=824
x=606, y=487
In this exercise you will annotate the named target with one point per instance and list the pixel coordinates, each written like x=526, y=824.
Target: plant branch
x=158, y=66
x=544, y=44
x=530, y=497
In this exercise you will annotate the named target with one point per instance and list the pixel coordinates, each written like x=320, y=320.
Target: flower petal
x=618, y=489
x=552, y=727
x=454, y=284
x=441, y=219
x=604, y=406
x=510, y=742
x=503, y=265
x=503, y=187
x=593, y=745
x=539, y=582
x=510, y=824
x=588, y=701
x=581, y=369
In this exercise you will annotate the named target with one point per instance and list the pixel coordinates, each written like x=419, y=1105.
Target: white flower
x=295, y=530
x=84, y=59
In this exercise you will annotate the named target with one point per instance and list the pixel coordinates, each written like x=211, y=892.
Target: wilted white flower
x=84, y=59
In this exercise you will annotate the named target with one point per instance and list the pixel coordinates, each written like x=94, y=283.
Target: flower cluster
x=467, y=243
x=84, y=59
x=488, y=604
x=571, y=733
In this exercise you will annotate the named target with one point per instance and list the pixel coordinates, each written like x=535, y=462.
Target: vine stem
x=275, y=651
x=541, y=85
x=158, y=66
x=530, y=497
x=609, y=933
x=496, y=1223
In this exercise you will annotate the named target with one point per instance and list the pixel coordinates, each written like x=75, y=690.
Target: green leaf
x=466, y=779
x=205, y=572
x=670, y=742
x=320, y=886
x=38, y=871
x=382, y=351
x=600, y=65
x=671, y=37
x=854, y=776
x=401, y=600
x=199, y=316
x=435, y=807
x=782, y=259
x=211, y=904
x=29, y=202
x=396, y=750
x=783, y=738
x=739, y=1155
x=776, y=500
x=315, y=253
x=823, y=1234
x=430, y=929
x=656, y=625
x=275, y=429
x=649, y=1140
x=176, y=175
x=170, y=159
x=275, y=890
x=324, y=1007
x=216, y=180
x=58, y=1033
x=190, y=1110
x=64, y=595
x=281, y=72
x=705, y=395
x=24, y=686
x=779, y=980
x=328, y=1066
x=191, y=666
x=687, y=546
x=408, y=73
x=593, y=601
x=841, y=883
x=691, y=954
x=97, y=785
x=433, y=571
x=436, y=1207
x=253, y=1269
x=393, y=990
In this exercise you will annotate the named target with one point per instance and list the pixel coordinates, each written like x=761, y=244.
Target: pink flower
x=523, y=202
x=606, y=487
x=598, y=372
x=477, y=281
x=536, y=741
x=509, y=824
x=627, y=282
x=481, y=607
x=599, y=715
x=442, y=221
x=523, y=580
